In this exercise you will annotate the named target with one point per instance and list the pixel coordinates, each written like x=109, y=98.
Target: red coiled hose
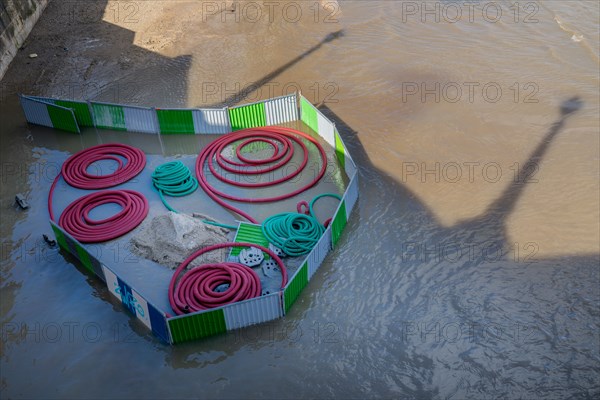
x=269, y=135
x=195, y=290
x=77, y=222
x=74, y=170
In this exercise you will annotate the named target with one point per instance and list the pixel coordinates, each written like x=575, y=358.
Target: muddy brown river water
x=470, y=268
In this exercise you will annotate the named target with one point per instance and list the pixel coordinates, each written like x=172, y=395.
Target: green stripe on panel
x=339, y=223
x=62, y=119
x=249, y=116
x=84, y=257
x=248, y=233
x=60, y=238
x=309, y=114
x=340, y=152
x=109, y=117
x=197, y=326
x=81, y=111
x=293, y=289
x=175, y=122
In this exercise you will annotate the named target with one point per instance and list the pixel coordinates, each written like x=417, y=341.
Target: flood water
x=470, y=266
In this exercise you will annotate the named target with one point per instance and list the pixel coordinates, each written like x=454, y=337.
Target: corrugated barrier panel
x=109, y=116
x=175, y=122
x=249, y=116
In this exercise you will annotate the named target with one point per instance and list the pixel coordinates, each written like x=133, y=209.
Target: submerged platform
x=141, y=284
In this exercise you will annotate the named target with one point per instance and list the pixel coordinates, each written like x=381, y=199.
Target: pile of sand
x=170, y=238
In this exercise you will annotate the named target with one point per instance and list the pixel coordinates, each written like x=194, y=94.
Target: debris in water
x=21, y=201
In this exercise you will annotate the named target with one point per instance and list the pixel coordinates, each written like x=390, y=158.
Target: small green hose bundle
x=295, y=234
x=173, y=179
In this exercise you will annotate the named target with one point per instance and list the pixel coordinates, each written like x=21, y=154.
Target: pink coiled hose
x=279, y=159
x=75, y=218
x=195, y=290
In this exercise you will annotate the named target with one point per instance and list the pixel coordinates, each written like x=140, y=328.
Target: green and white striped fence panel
x=281, y=109
x=50, y=115
x=312, y=117
x=124, y=118
x=264, y=113
x=108, y=116
x=249, y=312
x=80, y=109
x=191, y=121
x=343, y=156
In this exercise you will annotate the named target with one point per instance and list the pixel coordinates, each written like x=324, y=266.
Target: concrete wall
x=17, y=18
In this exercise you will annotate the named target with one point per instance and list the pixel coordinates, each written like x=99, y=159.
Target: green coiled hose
x=295, y=234
x=176, y=180
x=173, y=179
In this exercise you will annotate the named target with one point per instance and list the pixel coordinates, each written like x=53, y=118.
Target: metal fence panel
x=253, y=311
x=211, y=121
x=312, y=117
x=198, y=325
x=338, y=223
x=36, y=112
x=281, y=109
x=343, y=156
x=308, y=114
x=350, y=167
x=109, y=116
x=351, y=196
x=326, y=129
x=63, y=118
x=295, y=285
x=175, y=121
x=80, y=109
x=248, y=116
x=140, y=119
x=47, y=114
x=318, y=253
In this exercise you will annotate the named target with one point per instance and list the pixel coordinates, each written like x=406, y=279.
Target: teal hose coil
x=174, y=179
x=295, y=234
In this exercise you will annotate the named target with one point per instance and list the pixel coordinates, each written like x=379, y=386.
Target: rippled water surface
x=470, y=267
